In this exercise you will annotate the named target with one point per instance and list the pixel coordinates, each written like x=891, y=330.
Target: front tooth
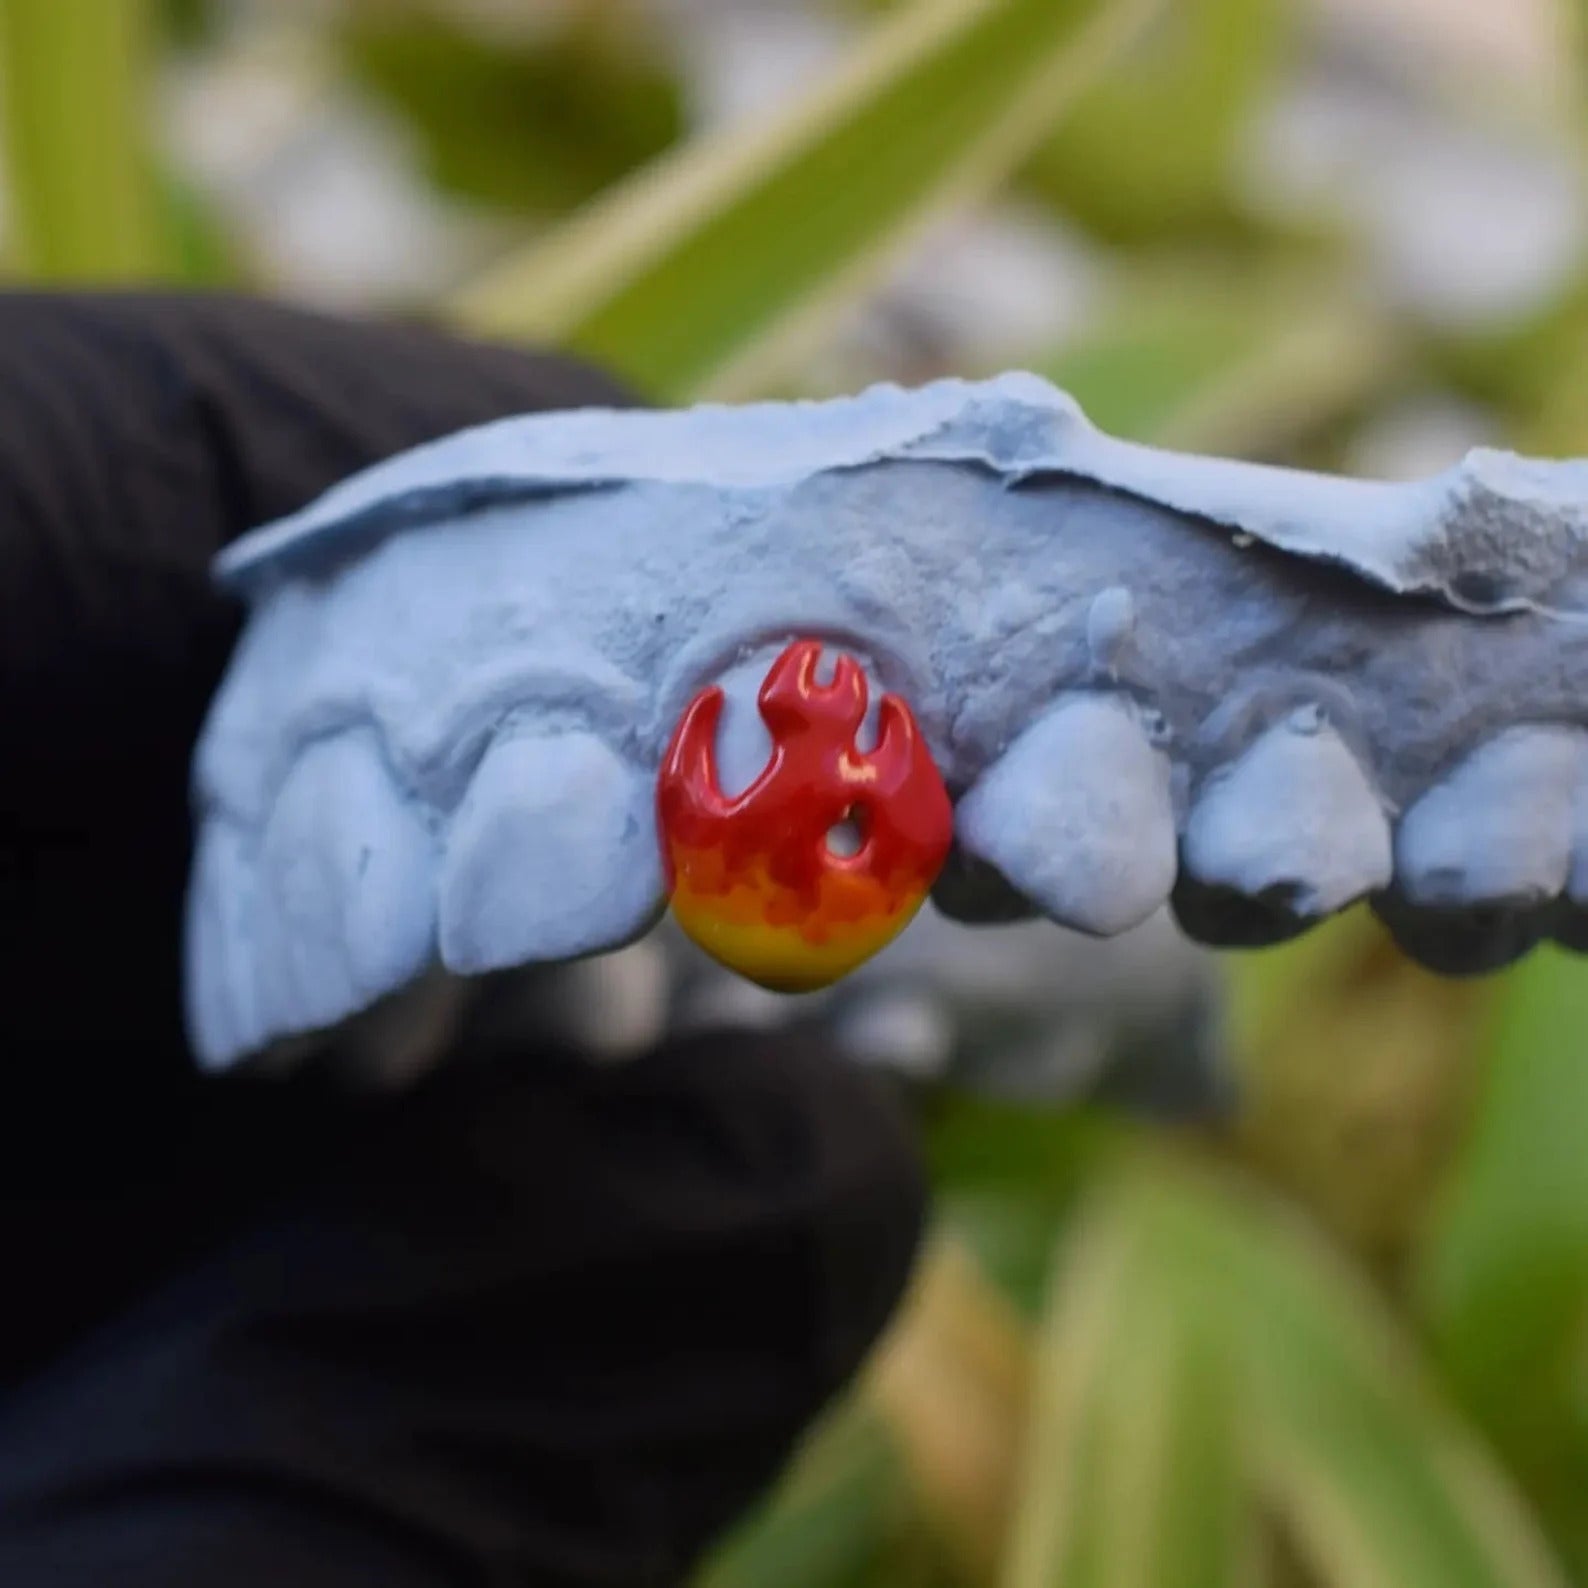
x=552, y=854
x=1480, y=857
x=346, y=903
x=1077, y=814
x=1291, y=833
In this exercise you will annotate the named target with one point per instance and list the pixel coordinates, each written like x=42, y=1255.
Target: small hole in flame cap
x=847, y=836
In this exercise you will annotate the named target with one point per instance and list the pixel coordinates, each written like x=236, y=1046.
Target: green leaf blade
x=1135, y=1473
x=699, y=274
x=831, y=1521
x=1504, y=1277
x=1376, y=1473
x=86, y=198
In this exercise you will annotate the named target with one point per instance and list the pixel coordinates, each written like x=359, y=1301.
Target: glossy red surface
x=753, y=877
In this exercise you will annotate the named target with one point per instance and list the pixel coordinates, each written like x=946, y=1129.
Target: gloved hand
x=532, y=1321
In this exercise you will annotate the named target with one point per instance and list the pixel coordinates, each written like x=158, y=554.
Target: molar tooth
x=1497, y=832
x=1577, y=877
x=1077, y=815
x=1569, y=915
x=1481, y=858
x=552, y=854
x=1289, y=834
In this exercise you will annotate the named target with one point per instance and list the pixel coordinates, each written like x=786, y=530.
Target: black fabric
x=533, y=1322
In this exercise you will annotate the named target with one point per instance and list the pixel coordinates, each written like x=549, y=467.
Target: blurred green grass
x=1344, y=1338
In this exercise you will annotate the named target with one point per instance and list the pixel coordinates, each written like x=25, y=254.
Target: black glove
x=533, y=1321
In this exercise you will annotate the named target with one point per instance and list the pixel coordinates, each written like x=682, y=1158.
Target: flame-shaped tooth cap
x=898, y=744
x=756, y=879
x=689, y=771
x=792, y=698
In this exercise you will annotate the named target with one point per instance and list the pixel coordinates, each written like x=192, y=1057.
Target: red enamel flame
x=753, y=877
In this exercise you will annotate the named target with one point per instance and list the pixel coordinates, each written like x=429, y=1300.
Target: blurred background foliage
x=1336, y=1333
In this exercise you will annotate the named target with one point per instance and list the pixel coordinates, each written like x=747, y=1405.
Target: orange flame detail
x=753, y=879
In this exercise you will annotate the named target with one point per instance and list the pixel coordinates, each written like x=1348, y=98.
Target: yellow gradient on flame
x=731, y=925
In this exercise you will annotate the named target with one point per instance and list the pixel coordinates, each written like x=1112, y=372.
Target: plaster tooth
x=1482, y=857
x=1288, y=834
x=345, y=902
x=219, y=990
x=1077, y=815
x=1569, y=918
x=552, y=854
x=1497, y=832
